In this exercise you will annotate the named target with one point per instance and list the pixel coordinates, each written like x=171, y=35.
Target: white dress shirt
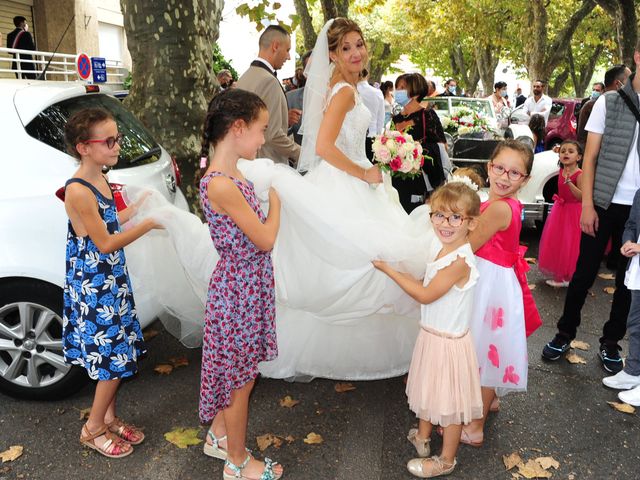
x=374, y=100
x=542, y=106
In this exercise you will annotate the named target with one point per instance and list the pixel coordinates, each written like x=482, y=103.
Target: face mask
x=503, y=93
x=402, y=98
x=594, y=95
x=452, y=89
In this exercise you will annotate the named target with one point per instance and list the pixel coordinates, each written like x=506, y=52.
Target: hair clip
x=203, y=162
x=466, y=180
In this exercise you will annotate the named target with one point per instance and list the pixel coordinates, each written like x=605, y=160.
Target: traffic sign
x=99, y=67
x=83, y=65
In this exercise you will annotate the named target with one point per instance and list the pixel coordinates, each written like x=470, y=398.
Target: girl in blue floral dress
x=239, y=330
x=100, y=327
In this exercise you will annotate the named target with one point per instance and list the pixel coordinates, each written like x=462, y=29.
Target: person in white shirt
x=539, y=102
x=374, y=100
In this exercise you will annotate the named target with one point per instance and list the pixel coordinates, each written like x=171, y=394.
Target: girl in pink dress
x=504, y=312
x=443, y=387
x=560, y=241
x=239, y=326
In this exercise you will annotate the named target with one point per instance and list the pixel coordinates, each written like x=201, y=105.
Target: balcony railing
x=61, y=68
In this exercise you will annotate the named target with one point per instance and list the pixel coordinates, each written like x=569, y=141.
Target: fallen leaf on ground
x=591, y=294
x=609, y=290
x=149, y=334
x=183, y=437
x=622, y=407
x=277, y=442
x=289, y=438
x=575, y=358
x=516, y=475
x=163, y=369
x=313, y=439
x=179, y=361
x=532, y=286
x=580, y=345
x=531, y=260
x=344, y=387
x=265, y=441
x=10, y=455
x=532, y=469
x=288, y=402
x=548, y=462
x=511, y=460
x=607, y=276
x=84, y=413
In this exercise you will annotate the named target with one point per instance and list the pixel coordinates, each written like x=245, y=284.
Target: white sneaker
x=622, y=381
x=632, y=397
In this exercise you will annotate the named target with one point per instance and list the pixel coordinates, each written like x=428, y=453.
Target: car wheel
x=548, y=191
x=31, y=362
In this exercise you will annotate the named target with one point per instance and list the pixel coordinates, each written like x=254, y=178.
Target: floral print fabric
x=239, y=325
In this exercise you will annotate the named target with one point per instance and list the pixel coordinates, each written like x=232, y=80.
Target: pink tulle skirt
x=444, y=384
x=560, y=242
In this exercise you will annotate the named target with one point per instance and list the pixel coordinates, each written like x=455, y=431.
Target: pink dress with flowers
x=502, y=301
x=560, y=241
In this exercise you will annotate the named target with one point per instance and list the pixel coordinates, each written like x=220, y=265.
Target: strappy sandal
x=495, y=404
x=267, y=474
x=422, y=446
x=215, y=450
x=114, y=447
x=465, y=438
x=437, y=467
x=126, y=431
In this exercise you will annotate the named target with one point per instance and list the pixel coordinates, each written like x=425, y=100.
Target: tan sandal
x=436, y=468
x=114, y=447
x=126, y=431
x=422, y=445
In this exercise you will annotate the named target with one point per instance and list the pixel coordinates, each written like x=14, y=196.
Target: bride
x=337, y=316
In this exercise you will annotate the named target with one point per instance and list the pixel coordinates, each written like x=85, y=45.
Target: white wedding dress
x=337, y=316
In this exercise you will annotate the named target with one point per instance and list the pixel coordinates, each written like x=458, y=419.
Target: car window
x=480, y=106
x=138, y=146
x=557, y=110
x=439, y=104
x=577, y=108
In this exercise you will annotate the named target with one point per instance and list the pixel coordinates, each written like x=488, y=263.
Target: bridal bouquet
x=398, y=153
x=465, y=121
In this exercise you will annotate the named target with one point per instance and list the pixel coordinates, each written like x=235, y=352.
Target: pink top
x=564, y=194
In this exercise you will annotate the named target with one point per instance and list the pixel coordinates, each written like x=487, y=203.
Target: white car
x=33, y=223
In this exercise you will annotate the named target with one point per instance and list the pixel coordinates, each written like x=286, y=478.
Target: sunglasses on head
x=109, y=141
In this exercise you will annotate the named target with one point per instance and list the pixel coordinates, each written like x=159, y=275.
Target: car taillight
x=91, y=88
x=118, y=195
x=176, y=171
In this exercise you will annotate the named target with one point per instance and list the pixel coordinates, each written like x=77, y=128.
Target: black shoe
x=610, y=358
x=556, y=347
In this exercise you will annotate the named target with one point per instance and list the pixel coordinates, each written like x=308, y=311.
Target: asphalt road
x=564, y=415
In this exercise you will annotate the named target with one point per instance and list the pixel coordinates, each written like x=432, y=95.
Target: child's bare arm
x=224, y=194
x=82, y=209
x=576, y=188
x=444, y=280
x=495, y=218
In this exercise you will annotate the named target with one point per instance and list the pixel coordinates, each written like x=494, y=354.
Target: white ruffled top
x=451, y=313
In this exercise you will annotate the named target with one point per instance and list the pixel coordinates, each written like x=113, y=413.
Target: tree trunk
x=464, y=71
x=543, y=57
x=626, y=21
x=173, y=81
x=558, y=84
x=306, y=24
x=582, y=78
x=334, y=8
x=487, y=62
x=379, y=51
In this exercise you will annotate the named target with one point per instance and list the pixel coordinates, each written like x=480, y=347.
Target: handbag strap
x=15, y=40
x=630, y=104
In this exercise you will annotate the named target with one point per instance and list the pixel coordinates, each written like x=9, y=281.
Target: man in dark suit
x=21, y=39
x=520, y=98
x=261, y=79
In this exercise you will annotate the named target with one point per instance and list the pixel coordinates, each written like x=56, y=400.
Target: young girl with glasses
x=504, y=312
x=560, y=240
x=443, y=386
x=239, y=324
x=100, y=326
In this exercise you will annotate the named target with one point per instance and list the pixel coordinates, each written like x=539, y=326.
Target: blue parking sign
x=99, y=68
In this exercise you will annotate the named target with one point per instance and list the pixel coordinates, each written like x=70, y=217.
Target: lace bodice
x=354, y=128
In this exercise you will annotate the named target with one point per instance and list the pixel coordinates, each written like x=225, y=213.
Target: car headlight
x=526, y=140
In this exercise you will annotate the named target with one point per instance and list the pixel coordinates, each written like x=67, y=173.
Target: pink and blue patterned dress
x=239, y=324
x=101, y=331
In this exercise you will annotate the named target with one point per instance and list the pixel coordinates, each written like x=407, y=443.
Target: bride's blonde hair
x=337, y=31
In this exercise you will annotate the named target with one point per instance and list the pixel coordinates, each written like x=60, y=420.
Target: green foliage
x=221, y=63
x=127, y=81
x=262, y=10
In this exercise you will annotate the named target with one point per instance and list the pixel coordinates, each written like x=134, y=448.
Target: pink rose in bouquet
x=398, y=153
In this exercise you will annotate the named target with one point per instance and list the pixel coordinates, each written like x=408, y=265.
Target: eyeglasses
x=454, y=220
x=109, y=141
x=499, y=170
